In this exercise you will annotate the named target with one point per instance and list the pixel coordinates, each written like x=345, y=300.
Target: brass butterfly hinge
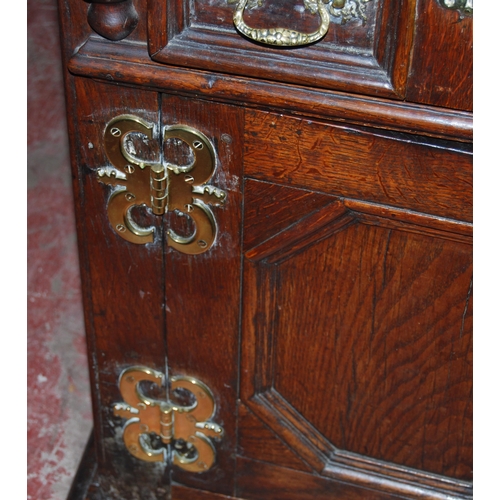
x=157, y=430
x=161, y=186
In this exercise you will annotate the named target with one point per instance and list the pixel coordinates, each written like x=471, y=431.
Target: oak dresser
x=274, y=212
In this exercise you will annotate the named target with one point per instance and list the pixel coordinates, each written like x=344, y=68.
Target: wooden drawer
x=374, y=47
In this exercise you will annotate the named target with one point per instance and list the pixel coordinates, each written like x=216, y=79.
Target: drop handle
x=284, y=37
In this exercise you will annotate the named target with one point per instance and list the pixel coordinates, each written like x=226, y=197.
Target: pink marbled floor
x=59, y=411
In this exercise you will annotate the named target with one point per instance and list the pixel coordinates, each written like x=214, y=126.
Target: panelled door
x=329, y=316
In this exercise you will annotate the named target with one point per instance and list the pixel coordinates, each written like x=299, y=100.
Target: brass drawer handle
x=282, y=36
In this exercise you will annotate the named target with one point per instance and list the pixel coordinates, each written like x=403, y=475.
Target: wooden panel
x=258, y=442
x=123, y=285
x=270, y=208
x=441, y=68
x=202, y=291
x=356, y=164
x=363, y=56
x=257, y=480
x=356, y=346
x=391, y=338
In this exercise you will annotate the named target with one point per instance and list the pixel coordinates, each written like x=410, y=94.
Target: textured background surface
x=59, y=411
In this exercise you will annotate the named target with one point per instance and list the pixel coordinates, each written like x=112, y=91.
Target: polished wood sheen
x=332, y=317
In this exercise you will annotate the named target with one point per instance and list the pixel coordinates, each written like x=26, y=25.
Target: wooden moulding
x=367, y=56
x=390, y=169
x=268, y=389
x=129, y=63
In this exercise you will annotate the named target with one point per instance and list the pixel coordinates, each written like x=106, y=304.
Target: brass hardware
x=281, y=36
x=158, y=429
x=464, y=7
x=345, y=10
x=161, y=187
x=188, y=191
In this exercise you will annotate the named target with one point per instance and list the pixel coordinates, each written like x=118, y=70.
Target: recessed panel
x=373, y=345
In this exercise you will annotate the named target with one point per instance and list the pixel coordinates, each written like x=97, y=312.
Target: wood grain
x=202, y=291
x=358, y=164
x=257, y=441
x=271, y=208
x=257, y=481
x=131, y=64
x=441, y=68
x=391, y=339
x=356, y=56
x=124, y=310
x=332, y=318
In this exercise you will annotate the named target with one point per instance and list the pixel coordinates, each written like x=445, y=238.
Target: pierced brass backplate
x=159, y=186
x=157, y=430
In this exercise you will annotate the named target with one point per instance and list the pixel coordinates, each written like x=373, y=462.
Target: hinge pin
x=158, y=189
x=166, y=424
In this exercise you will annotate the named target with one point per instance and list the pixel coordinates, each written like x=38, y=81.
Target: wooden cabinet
x=284, y=232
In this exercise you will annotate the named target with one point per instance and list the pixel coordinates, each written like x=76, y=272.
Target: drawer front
x=371, y=47
x=426, y=177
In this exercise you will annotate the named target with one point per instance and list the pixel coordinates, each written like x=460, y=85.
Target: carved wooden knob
x=112, y=19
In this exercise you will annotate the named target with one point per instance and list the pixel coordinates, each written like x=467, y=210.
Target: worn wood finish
x=332, y=319
x=125, y=322
x=441, y=69
x=202, y=292
x=367, y=57
x=428, y=177
x=130, y=64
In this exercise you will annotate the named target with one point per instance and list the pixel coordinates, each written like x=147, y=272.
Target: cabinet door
x=356, y=350
x=331, y=317
x=356, y=334
x=149, y=304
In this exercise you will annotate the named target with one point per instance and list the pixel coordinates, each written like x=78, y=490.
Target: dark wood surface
x=332, y=318
x=112, y=19
x=85, y=473
x=202, y=291
x=441, y=70
x=130, y=64
x=429, y=177
x=362, y=56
